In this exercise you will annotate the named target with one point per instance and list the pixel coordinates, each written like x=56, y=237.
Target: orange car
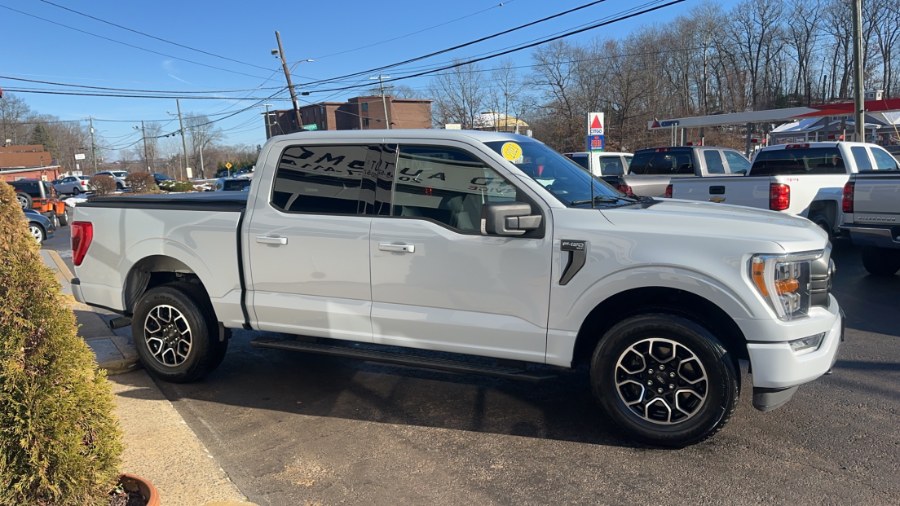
x=40, y=196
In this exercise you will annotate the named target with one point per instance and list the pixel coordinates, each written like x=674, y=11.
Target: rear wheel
x=63, y=218
x=24, y=200
x=822, y=221
x=37, y=232
x=664, y=379
x=76, y=191
x=175, y=333
x=881, y=261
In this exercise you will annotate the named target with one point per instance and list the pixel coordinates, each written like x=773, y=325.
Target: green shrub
x=141, y=182
x=176, y=186
x=60, y=442
x=103, y=184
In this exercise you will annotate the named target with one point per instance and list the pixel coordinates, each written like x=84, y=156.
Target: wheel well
x=657, y=300
x=827, y=209
x=154, y=271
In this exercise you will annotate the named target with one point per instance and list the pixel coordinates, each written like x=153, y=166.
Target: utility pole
x=268, y=125
x=144, y=137
x=93, y=155
x=858, y=93
x=287, y=76
x=381, y=78
x=183, y=142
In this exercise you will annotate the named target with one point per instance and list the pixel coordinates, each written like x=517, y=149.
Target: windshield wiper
x=600, y=200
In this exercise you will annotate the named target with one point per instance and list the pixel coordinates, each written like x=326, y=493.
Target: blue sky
x=341, y=36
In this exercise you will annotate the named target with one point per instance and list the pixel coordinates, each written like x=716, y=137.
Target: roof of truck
x=388, y=135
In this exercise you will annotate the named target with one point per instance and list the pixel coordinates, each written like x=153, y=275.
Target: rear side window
x=319, y=179
x=798, y=161
x=737, y=164
x=714, y=164
x=662, y=162
x=883, y=160
x=861, y=157
x=581, y=160
x=611, y=166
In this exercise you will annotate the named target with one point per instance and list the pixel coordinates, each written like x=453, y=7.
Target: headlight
x=783, y=281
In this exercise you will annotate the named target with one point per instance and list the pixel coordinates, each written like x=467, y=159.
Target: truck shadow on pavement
x=862, y=295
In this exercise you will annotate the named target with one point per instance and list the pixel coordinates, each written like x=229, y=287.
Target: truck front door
x=438, y=282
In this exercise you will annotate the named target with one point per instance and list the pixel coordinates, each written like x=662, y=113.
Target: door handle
x=397, y=248
x=271, y=239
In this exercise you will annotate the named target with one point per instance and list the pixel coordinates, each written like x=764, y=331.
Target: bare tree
x=13, y=113
x=202, y=133
x=459, y=95
x=755, y=32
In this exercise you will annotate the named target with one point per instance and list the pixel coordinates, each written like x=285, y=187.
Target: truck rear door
x=307, y=244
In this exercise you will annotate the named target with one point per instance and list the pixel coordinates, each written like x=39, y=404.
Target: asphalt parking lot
x=290, y=428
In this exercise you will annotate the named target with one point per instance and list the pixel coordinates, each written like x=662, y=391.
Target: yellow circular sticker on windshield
x=511, y=151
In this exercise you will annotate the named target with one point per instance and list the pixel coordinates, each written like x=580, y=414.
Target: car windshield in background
x=563, y=178
x=662, y=161
x=798, y=161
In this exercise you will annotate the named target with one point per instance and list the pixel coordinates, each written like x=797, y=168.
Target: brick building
x=358, y=113
x=26, y=161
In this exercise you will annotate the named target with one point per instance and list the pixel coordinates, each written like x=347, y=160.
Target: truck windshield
x=563, y=178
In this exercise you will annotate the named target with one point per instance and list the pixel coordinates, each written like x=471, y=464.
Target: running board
x=403, y=358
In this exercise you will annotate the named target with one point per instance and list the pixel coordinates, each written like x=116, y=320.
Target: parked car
x=871, y=206
x=159, y=177
x=472, y=243
x=72, y=185
x=651, y=170
x=233, y=184
x=607, y=165
x=802, y=179
x=39, y=226
x=118, y=175
x=40, y=196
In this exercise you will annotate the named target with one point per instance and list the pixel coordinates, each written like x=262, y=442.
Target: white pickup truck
x=801, y=179
x=466, y=248
x=871, y=205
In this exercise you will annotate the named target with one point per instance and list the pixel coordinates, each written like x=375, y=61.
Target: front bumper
x=777, y=370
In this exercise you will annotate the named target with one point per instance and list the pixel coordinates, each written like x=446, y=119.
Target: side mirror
x=510, y=219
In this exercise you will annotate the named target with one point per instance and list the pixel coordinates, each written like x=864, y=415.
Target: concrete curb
x=178, y=464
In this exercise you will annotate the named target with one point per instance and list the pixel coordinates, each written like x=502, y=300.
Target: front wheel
x=24, y=200
x=175, y=333
x=664, y=379
x=881, y=261
x=37, y=232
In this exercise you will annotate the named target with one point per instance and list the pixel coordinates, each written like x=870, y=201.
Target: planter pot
x=132, y=483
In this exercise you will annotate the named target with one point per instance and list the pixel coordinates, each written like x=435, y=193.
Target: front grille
x=821, y=272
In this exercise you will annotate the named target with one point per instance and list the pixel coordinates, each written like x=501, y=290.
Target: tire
x=881, y=261
x=119, y=186
x=76, y=191
x=54, y=219
x=24, y=200
x=822, y=221
x=38, y=232
x=637, y=354
x=63, y=218
x=175, y=333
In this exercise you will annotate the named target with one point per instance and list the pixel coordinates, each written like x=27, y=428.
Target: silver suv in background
x=118, y=175
x=73, y=185
x=651, y=170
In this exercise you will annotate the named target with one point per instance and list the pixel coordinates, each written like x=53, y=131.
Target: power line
x=516, y=49
x=460, y=46
x=151, y=36
x=125, y=43
x=132, y=90
x=121, y=95
x=367, y=46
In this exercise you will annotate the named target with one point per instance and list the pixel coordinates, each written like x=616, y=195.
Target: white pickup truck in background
x=871, y=206
x=801, y=179
x=464, y=248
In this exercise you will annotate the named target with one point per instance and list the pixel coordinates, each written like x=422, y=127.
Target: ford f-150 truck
x=801, y=179
x=871, y=204
x=455, y=250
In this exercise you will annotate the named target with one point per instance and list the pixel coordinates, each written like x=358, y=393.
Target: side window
x=447, y=185
x=884, y=160
x=861, y=157
x=319, y=179
x=628, y=161
x=713, y=161
x=737, y=164
x=378, y=176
